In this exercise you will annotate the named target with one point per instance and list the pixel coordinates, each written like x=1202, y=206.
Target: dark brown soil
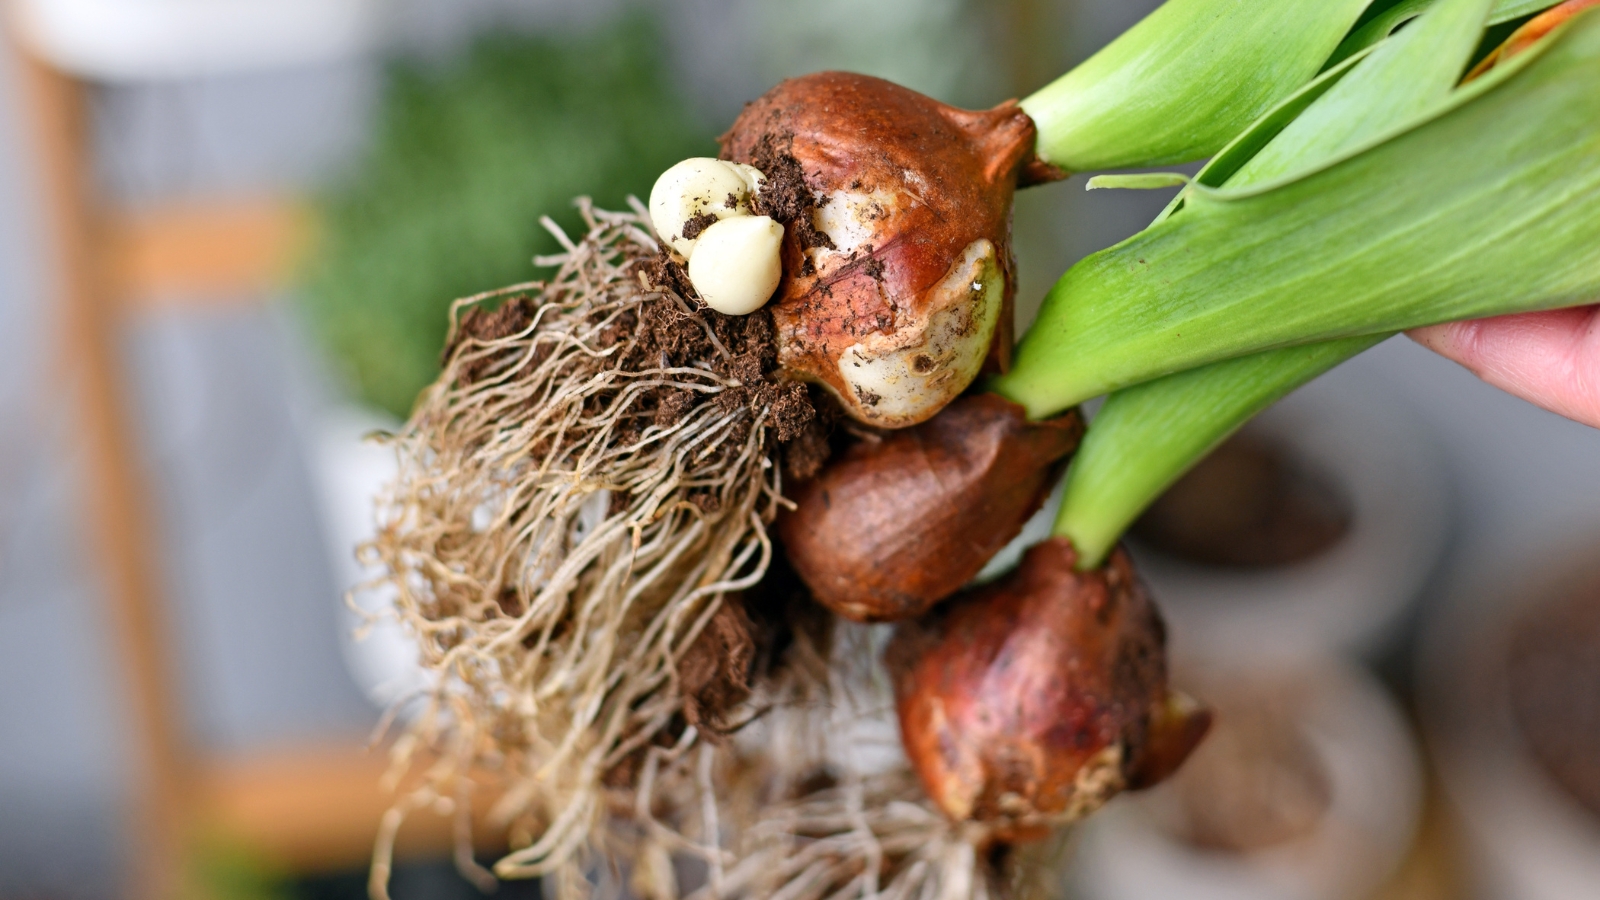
x=698, y=224
x=1251, y=503
x=743, y=348
x=513, y=315
x=668, y=274
x=784, y=195
x=715, y=672
x=1553, y=670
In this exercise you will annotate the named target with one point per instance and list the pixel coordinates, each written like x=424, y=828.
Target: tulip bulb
x=896, y=525
x=897, y=270
x=1032, y=700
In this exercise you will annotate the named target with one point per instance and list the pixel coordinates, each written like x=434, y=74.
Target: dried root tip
x=897, y=525
x=898, y=276
x=1029, y=702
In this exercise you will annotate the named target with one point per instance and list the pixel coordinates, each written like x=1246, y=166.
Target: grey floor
x=227, y=401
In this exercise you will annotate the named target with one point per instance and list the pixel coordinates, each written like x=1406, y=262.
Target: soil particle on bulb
x=785, y=196
x=890, y=201
x=697, y=225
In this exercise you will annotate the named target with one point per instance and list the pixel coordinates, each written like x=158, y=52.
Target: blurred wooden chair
x=301, y=809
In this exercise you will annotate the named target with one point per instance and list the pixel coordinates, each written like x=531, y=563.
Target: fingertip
x=1448, y=339
x=1551, y=358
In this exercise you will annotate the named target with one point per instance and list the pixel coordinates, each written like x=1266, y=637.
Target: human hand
x=1549, y=358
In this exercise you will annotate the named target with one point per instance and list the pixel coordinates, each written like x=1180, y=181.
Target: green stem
x=1490, y=205
x=1181, y=83
x=1145, y=438
x=1184, y=80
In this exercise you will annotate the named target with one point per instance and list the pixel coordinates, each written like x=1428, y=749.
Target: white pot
x=138, y=40
x=1528, y=840
x=1374, y=799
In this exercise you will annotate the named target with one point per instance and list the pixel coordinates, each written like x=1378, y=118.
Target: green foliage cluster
x=465, y=159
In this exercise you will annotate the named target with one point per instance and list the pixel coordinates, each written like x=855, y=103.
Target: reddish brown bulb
x=896, y=525
x=1034, y=699
x=897, y=266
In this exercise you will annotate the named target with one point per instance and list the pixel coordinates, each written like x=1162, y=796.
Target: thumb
x=1550, y=358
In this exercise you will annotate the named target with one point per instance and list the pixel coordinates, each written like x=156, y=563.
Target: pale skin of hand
x=1548, y=358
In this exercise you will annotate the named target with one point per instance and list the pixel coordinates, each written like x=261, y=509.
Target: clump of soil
x=715, y=672
x=1250, y=504
x=743, y=348
x=784, y=195
x=1553, y=670
x=488, y=325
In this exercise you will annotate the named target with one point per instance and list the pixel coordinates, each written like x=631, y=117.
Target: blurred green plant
x=222, y=868
x=465, y=159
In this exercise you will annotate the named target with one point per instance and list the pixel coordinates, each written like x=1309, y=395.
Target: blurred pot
x=134, y=40
x=1510, y=697
x=1348, y=450
x=1307, y=789
x=350, y=472
x=1378, y=473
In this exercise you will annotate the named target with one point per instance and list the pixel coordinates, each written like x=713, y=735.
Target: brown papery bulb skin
x=1030, y=701
x=898, y=275
x=895, y=525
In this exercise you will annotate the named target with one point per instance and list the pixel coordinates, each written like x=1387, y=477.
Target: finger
x=1550, y=358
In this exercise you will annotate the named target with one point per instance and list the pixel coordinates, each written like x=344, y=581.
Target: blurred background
x=229, y=232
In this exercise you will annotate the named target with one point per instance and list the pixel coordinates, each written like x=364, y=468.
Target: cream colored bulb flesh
x=752, y=176
x=694, y=188
x=736, y=264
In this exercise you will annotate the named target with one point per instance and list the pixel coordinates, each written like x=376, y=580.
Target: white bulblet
x=736, y=264
x=752, y=176
x=694, y=188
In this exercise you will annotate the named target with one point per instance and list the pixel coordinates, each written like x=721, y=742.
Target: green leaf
x=1490, y=205
x=1178, y=85
x=1385, y=23
x=1506, y=10
x=1142, y=181
x=1145, y=437
x=1242, y=149
x=1402, y=78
